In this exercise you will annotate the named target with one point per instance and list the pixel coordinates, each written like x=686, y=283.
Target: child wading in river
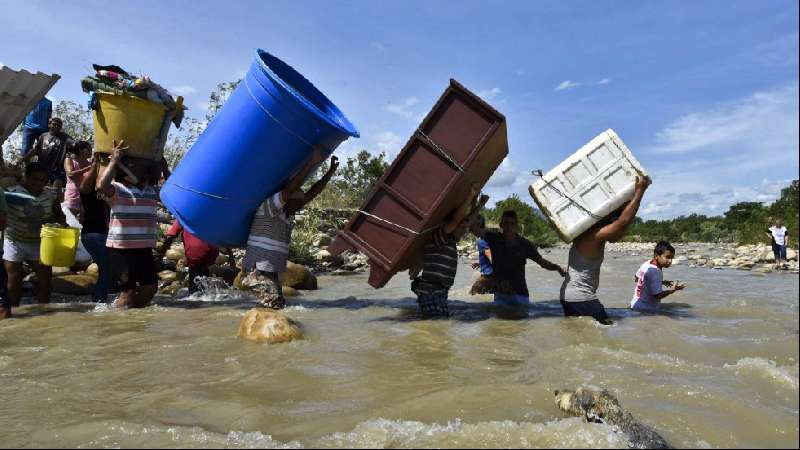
x=650, y=282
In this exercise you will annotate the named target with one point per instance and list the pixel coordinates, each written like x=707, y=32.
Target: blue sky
x=704, y=93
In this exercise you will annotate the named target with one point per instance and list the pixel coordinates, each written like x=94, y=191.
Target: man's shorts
x=17, y=251
x=591, y=308
x=511, y=300
x=433, y=304
x=139, y=267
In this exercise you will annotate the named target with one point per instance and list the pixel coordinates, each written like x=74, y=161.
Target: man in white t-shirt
x=649, y=290
x=780, y=239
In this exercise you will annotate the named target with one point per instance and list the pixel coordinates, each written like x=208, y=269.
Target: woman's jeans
x=95, y=244
x=779, y=251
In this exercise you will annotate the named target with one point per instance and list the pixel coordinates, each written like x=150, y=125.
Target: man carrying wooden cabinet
x=440, y=259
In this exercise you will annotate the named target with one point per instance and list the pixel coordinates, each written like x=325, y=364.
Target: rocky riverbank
x=754, y=257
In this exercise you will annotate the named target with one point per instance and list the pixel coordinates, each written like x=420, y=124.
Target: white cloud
x=403, y=108
x=604, y=81
x=508, y=180
x=741, y=150
x=661, y=204
x=567, y=85
x=389, y=143
x=765, y=120
x=183, y=90
x=489, y=94
x=504, y=176
x=378, y=46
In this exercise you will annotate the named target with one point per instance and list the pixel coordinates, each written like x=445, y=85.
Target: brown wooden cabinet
x=461, y=141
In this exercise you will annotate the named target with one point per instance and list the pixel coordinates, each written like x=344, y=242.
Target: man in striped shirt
x=132, y=228
x=440, y=260
x=271, y=232
x=36, y=206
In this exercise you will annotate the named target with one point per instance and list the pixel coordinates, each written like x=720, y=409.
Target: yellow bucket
x=58, y=246
x=138, y=122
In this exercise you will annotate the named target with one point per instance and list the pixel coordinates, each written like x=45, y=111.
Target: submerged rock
x=299, y=277
x=175, y=253
x=168, y=276
x=289, y=291
x=603, y=406
x=73, y=284
x=270, y=326
x=171, y=289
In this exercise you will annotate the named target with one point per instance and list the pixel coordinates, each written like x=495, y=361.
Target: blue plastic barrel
x=262, y=135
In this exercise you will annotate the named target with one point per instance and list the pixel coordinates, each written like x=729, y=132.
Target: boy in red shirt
x=200, y=255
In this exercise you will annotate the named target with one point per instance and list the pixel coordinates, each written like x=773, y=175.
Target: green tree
x=352, y=183
x=531, y=224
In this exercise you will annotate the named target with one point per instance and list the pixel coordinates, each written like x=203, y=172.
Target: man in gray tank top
x=579, y=290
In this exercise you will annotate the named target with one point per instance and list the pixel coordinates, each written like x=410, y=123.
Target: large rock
x=299, y=277
x=270, y=326
x=93, y=270
x=73, y=284
x=171, y=289
x=175, y=253
x=61, y=271
x=168, y=276
x=719, y=262
x=322, y=240
x=791, y=255
x=289, y=291
x=323, y=255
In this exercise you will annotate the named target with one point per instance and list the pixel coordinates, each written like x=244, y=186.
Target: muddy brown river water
x=718, y=369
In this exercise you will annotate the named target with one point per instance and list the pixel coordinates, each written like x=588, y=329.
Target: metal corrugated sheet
x=20, y=91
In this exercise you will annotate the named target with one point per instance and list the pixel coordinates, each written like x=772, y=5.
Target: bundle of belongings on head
x=115, y=80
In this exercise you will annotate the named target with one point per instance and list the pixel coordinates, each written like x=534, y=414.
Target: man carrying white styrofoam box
x=589, y=185
x=591, y=198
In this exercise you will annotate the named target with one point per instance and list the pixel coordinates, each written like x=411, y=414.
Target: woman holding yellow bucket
x=23, y=230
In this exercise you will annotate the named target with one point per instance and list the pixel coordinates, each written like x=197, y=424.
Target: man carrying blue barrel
x=271, y=232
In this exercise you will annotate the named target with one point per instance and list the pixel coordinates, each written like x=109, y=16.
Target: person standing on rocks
x=271, y=232
x=579, y=290
x=780, y=240
x=51, y=149
x=36, y=123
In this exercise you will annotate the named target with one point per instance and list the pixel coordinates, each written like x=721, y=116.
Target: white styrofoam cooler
x=593, y=182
